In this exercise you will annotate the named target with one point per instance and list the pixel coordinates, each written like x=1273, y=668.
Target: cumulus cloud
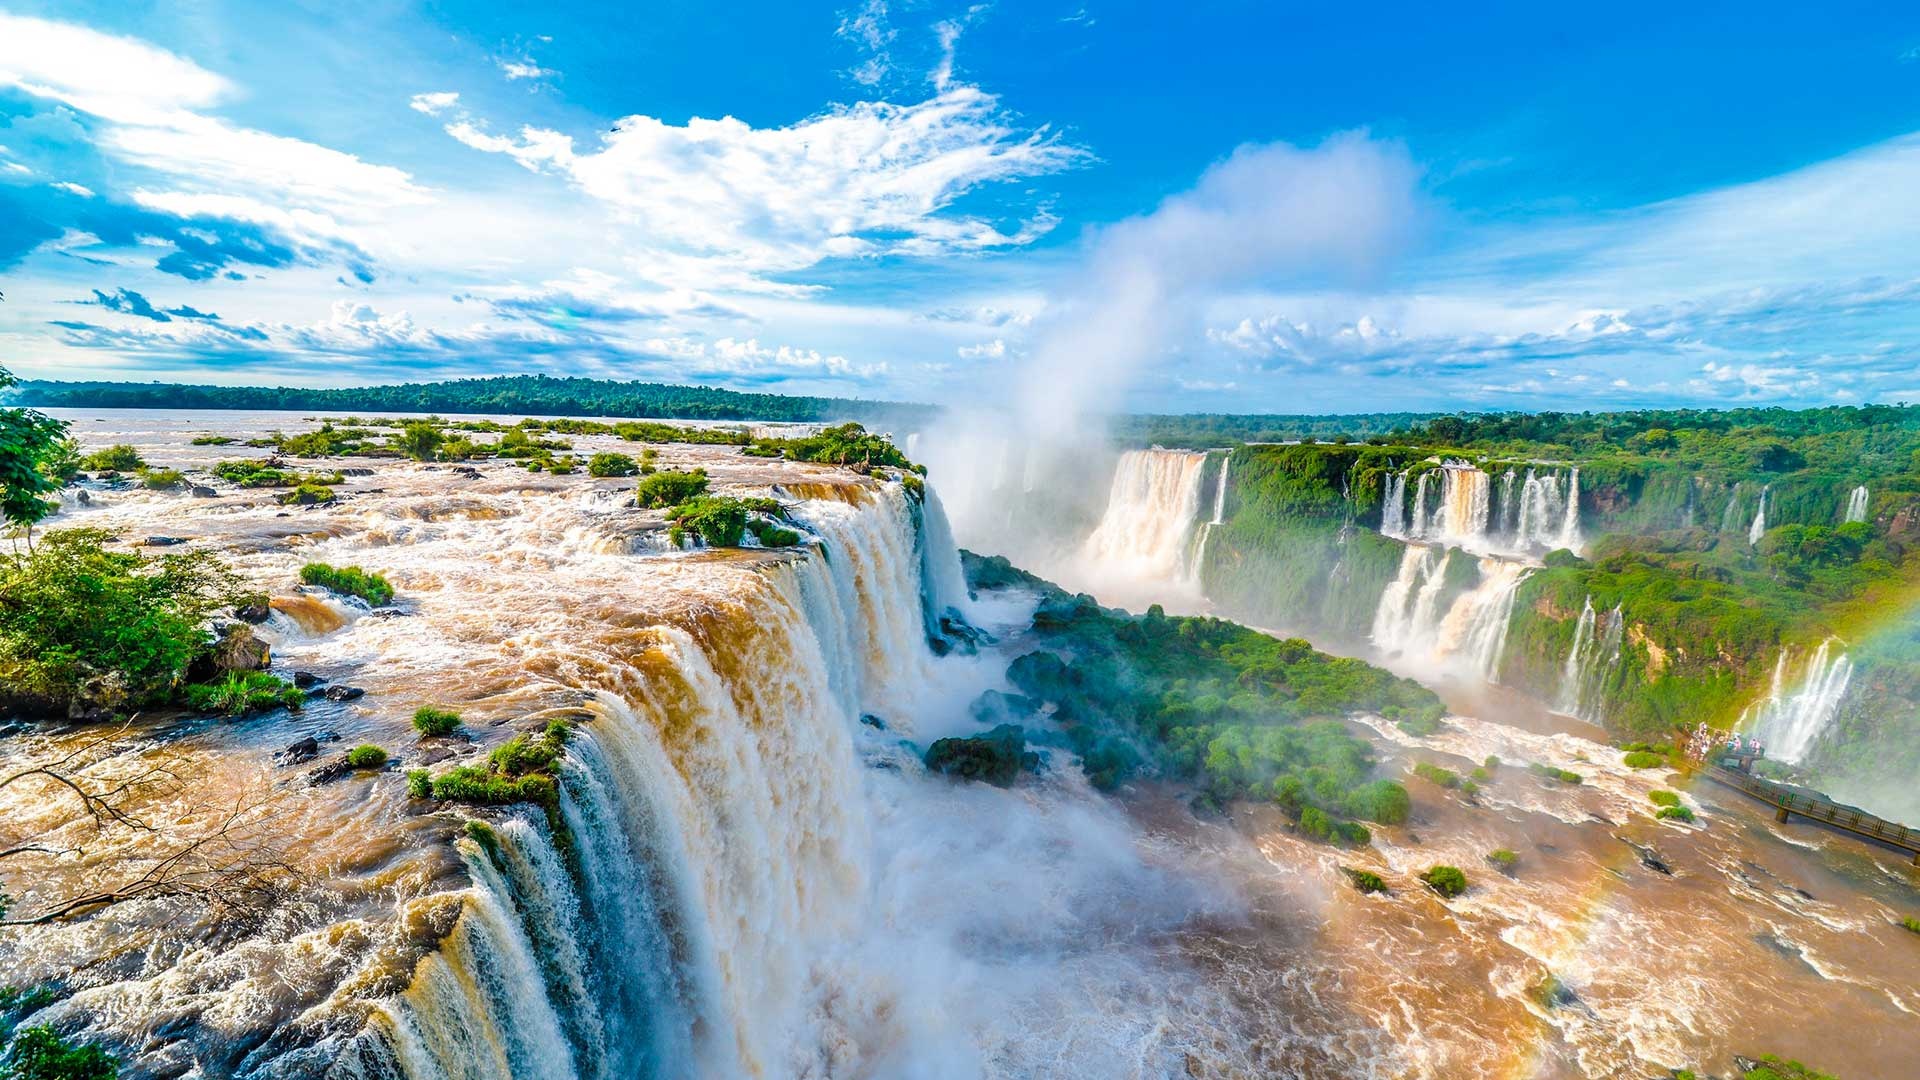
x=986, y=350
x=435, y=103
x=752, y=361
x=860, y=180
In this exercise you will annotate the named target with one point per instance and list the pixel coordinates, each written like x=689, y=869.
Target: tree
x=419, y=440
x=39, y=1053
x=29, y=443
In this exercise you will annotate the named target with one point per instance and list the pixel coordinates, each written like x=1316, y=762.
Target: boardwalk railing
x=1788, y=801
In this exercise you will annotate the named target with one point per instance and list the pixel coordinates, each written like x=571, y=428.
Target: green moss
x=428, y=720
x=1911, y=924
x=366, y=756
x=307, y=495
x=997, y=758
x=372, y=587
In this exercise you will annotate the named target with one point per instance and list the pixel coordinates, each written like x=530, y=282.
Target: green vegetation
x=1664, y=798
x=664, y=489
x=770, y=534
x=1317, y=824
x=1643, y=759
x=1911, y=924
x=251, y=473
x=1448, y=881
x=537, y=395
x=1434, y=774
x=611, y=465
x=1674, y=813
x=1240, y=714
x=307, y=495
x=242, y=692
x=161, y=479
x=117, y=458
x=366, y=756
x=84, y=626
x=1365, y=881
x=428, y=720
x=847, y=444
x=419, y=784
x=1771, y=1067
x=374, y=588
x=723, y=520
x=1420, y=727
x=39, y=1053
x=328, y=441
x=996, y=758
x=521, y=770
x=1552, y=772
x=1503, y=859
x=419, y=440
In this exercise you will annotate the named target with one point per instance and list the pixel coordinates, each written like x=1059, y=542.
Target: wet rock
x=162, y=541
x=306, y=680
x=1649, y=858
x=467, y=471
x=996, y=757
x=435, y=753
x=344, y=693
x=389, y=613
x=82, y=496
x=325, y=735
x=298, y=753
x=234, y=649
x=331, y=771
x=356, y=472
x=873, y=721
x=199, y=492
x=253, y=613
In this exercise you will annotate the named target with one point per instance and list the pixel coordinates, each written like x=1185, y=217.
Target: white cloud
x=986, y=350
x=868, y=29
x=72, y=188
x=730, y=356
x=860, y=180
x=435, y=103
x=153, y=102
x=524, y=69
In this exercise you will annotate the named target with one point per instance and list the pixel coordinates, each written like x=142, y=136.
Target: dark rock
x=389, y=613
x=467, y=471
x=331, y=771
x=344, y=693
x=234, y=649
x=82, y=497
x=253, y=613
x=435, y=753
x=327, y=735
x=298, y=753
x=356, y=472
x=306, y=680
x=996, y=757
x=873, y=721
x=200, y=492
x=162, y=541
x=1649, y=858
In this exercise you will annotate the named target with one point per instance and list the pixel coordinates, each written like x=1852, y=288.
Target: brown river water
x=763, y=885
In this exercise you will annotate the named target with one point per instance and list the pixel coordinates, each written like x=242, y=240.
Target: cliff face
x=1707, y=573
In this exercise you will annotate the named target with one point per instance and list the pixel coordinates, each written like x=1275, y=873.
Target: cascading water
x=1393, y=506
x=1856, y=505
x=1220, y=492
x=1595, y=650
x=1789, y=724
x=1537, y=517
x=1146, y=533
x=1469, y=636
x=1731, y=515
x=1759, y=526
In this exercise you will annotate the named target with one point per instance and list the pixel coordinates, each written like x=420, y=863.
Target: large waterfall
x=1789, y=723
x=1147, y=531
x=1595, y=650
x=1460, y=505
x=1468, y=634
x=1856, y=505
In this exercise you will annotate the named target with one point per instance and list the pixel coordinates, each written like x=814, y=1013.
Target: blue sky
x=1207, y=206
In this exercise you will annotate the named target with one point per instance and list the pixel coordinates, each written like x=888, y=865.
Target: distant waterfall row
x=1595, y=652
x=1465, y=633
x=1461, y=505
x=713, y=859
x=1787, y=722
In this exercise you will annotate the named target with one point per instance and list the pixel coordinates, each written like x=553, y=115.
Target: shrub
x=242, y=692
x=1448, y=881
x=608, y=464
x=1503, y=858
x=1492, y=762
x=771, y=535
x=722, y=520
x=1551, y=772
x=1365, y=881
x=39, y=1053
x=349, y=581
x=1772, y=1067
x=419, y=784
x=1673, y=813
x=1434, y=774
x=419, y=440
x=1420, y=726
x=214, y=440
x=996, y=757
x=1911, y=924
x=117, y=458
x=81, y=623
x=307, y=495
x=1664, y=798
x=366, y=756
x=1643, y=759
x=669, y=488
x=428, y=720
x=483, y=787
x=161, y=479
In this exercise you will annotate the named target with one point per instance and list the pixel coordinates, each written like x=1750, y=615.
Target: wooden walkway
x=1787, y=802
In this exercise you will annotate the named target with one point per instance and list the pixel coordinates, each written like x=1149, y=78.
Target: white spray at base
x=1469, y=636
x=1789, y=724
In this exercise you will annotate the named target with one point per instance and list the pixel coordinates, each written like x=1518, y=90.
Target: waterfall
x=1509, y=509
x=1731, y=514
x=1469, y=635
x=1569, y=537
x=1393, y=506
x=940, y=574
x=715, y=844
x=1596, y=649
x=1546, y=518
x=1419, y=526
x=1145, y=533
x=1220, y=491
x=1759, y=527
x=1857, y=504
x=1789, y=724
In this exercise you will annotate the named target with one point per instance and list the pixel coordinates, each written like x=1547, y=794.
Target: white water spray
x=1147, y=531
x=1857, y=504
x=1789, y=724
